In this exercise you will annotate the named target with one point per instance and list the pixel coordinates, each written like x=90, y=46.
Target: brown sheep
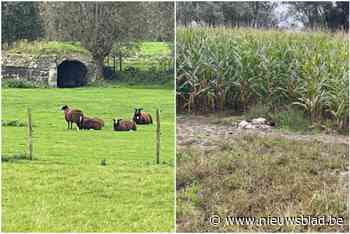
x=123, y=125
x=141, y=117
x=91, y=123
x=100, y=121
x=72, y=116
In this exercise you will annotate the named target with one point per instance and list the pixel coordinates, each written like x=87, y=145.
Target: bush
x=13, y=123
x=108, y=73
x=139, y=77
x=18, y=84
x=14, y=157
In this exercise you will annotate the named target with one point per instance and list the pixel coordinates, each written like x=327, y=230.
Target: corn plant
x=222, y=69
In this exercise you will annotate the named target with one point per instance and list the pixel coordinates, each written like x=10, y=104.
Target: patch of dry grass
x=258, y=177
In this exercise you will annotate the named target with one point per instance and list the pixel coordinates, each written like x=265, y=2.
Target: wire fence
x=138, y=145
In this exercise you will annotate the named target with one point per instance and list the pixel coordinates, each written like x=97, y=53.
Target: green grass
x=155, y=49
x=254, y=176
x=60, y=48
x=150, y=56
x=65, y=188
x=37, y=48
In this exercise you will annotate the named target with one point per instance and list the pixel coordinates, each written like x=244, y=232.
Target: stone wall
x=36, y=76
x=40, y=70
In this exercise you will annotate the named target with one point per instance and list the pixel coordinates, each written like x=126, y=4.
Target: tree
x=97, y=25
x=186, y=12
x=97, y=30
x=20, y=20
x=248, y=14
x=122, y=50
x=333, y=16
x=157, y=21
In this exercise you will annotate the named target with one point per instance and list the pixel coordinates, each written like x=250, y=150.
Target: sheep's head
x=65, y=107
x=137, y=114
x=81, y=122
x=118, y=122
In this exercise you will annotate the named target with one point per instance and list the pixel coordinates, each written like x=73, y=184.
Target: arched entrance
x=71, y=73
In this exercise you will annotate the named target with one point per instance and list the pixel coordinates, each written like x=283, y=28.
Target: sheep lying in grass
x=123, y=125
x=91, y=123
x=72, y=116
x=141, y=117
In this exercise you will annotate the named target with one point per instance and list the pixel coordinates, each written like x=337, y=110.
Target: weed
x=24, y=84
x=13, y=123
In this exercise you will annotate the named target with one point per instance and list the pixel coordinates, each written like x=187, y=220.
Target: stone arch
x=71, y=73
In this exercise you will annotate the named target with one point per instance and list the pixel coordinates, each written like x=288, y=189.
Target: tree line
x=96, y=25
x=315, y=15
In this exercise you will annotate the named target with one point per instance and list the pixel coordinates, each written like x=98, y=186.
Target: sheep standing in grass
x=141, y=117
x=91, y=123
x=72, y=116
x=123, y=125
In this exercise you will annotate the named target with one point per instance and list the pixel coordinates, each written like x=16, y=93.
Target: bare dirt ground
x=205, y=133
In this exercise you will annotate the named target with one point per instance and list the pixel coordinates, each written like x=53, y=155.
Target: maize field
x=232, y=69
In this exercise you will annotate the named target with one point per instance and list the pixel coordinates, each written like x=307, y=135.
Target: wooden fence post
x=30, y=131
x=158, y=137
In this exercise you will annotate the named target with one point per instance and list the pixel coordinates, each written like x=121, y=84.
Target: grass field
x=155, y=49
x=148, y=56
x=66, y=188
